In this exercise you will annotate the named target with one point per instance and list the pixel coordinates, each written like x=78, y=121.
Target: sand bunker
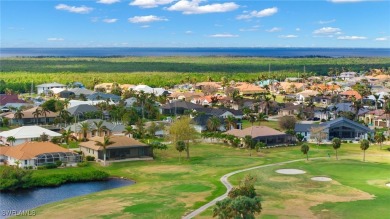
x=290, y=171
x=321, y=179
x=388, y=184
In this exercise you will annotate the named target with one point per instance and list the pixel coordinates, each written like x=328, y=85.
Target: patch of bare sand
x=283, y=179
x=190, y=198
x=164, y=169
x=86, y=208
x=299, y=207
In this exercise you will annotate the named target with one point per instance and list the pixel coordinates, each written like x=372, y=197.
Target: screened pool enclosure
x=64, y=157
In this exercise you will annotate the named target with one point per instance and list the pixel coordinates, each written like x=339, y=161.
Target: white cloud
x=55, y=39
x=381, y=39
x=256, y=14
x=145, y=26
x=223, y=35
x=248, y=29
x=110, y=20
x=328, y=31
x=188, y=32
x=150, y=3
x=297, y=29
x=327, y=22
x=351, y=38
x=288, y=36
x=146, y=19
x=193, y=7
x=80, y=10
x=274, y=29
x=108, y=2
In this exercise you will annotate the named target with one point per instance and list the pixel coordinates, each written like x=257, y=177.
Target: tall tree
x=106, y=142
x=37, y=112
x=336, y=143
x=305, y=150
x=44, y=112
x=230, y=122
x=364, y=145
x=380, y=138
x=261, y=117
x=213, y=123
x=11, y=140
x=180, y=146
x=66, y=135
x=19, y=116
x=129, y=131
x=242, y=202
x=84, y=129
x=100, y=128
x=182, y=130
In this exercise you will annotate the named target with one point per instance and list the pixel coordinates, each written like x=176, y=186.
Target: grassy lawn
x=167, y=188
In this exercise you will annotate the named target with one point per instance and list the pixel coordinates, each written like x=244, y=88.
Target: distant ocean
x=252, y=52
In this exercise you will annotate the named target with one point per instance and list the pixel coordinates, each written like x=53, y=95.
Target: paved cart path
x=228, y=185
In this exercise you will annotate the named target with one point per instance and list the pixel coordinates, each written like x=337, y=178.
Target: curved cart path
x=224, y=180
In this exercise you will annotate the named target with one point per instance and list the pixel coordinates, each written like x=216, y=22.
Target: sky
x=195, y=23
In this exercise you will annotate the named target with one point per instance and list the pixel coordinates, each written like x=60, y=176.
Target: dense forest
x=19, y=74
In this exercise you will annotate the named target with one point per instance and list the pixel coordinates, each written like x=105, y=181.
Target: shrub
x=58, y=163
x=82, y=164
x=323, y=120
x=90, y=158
x=287, y=122
x=13, y=178
x=50, y=166
x=41, y=167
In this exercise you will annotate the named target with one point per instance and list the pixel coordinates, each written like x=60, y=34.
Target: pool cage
x=65, y=157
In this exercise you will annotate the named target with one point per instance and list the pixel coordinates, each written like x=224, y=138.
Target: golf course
x=170, y=187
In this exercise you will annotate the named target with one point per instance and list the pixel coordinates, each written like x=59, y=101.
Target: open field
x=19, y=73
x=167, y=188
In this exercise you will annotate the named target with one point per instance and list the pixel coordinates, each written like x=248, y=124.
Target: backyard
x=168, y=188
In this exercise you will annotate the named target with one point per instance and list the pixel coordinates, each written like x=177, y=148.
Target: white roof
x=54, y=84
x=73, y=103
x=28, y=132
x=56, y=90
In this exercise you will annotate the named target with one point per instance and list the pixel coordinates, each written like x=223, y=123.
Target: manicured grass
x=167, y=188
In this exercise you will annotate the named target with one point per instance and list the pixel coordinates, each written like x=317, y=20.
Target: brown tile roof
x=257, y=131
x=352, y=93
x=209, y=83
x=28, y=114
x=30, y=150
x=119, y=141
x=248, y=88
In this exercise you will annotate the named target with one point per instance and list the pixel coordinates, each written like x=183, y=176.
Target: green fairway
x=167, y=188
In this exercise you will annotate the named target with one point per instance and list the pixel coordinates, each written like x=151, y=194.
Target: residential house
x=81, y=91
x=347, y=75
x=34, y=154
x=289, y=87
x=349, y=94
x=81, y=110
x=291, y=110
x=9, y=99
x=149, y=90
x=110, y=128
x=25, y=134
x=104, y=96
x=185, y=96
x=341, y=127
x=249, y=89
x=66, y=94
x=73, y=103
x=264, y=134
x=29, y=117
x=129, y=102
x=122, y=148
x=48, y=86
x=306, y=95
x=178, y=108
x=375, y=118
x=201, y=85
x=304, y=130
x=200, y=123
x=106, y=87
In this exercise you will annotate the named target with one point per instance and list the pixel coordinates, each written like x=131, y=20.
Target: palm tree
x=11, y=140
x=336, y=143
x=84, y=129
x=364, y=145
x=180, y=146
x=252, y=119
x=36, y=114
x=128, y=130
x=67, y=135
x=213, y=123
x=106, y=142
x=305, y=150
x=44, y=111
x=19, y=116
x=267, y=101
x=64, y=115
x=230, y=122
x=100, y=127
x=66, y=103
x=357, y=105
x=376, y=96
x=261, y=117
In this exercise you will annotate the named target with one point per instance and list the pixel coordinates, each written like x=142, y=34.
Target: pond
x=18, y=202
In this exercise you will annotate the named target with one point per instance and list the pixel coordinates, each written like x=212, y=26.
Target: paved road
x=226, y=183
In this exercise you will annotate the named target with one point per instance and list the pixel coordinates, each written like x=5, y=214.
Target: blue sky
x=195, y=23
